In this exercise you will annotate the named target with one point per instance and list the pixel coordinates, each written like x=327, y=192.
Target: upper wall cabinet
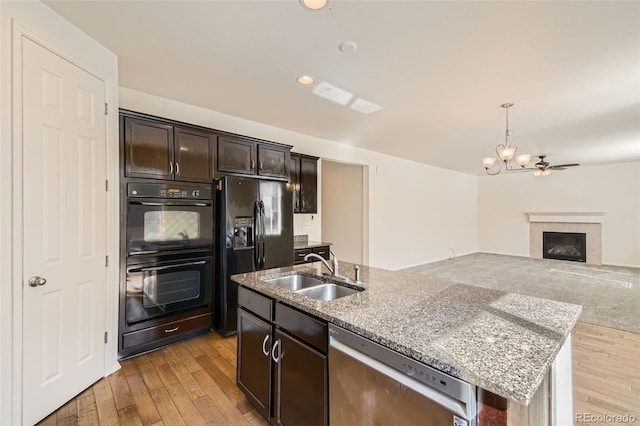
x=304, y=178
x=159, y=150
x=248, y=157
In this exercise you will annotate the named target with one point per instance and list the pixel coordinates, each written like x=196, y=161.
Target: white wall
x=503, y=226
x=416, y=212
x=40, y=22
x=342, y=209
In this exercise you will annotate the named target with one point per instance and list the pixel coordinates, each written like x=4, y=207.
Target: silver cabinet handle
x=259, y=165
x=265, y=351
x=275, y=358
x=253, y=164
x=171, y=330
x=170, y=168
x=37, y=281
x=177, y=168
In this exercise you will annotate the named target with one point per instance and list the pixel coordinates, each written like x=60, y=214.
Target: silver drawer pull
x=265, y=351
x=171, y=330
x=275, y=358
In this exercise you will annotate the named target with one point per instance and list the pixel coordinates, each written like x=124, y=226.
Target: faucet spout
x=333, y=270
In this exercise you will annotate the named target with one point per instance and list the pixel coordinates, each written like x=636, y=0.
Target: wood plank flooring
x=606, y=373
x=190, y=383
x=193, y=383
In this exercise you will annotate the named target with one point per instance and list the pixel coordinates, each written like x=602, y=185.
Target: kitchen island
x=503, y=343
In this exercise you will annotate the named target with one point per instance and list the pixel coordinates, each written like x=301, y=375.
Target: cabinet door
x=254, y=367
x=236, y=156
x=148, y=149
x=272, y=161
x=301, y=383
x=294, y=180
x=194, y=155
x=308, y=185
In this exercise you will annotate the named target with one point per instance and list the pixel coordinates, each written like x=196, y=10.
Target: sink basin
x=295, y=282
x=327, y=292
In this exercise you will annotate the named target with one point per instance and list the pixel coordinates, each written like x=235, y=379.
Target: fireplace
x=564, y=246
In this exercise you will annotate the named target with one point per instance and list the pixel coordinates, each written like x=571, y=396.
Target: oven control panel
x=164, y=190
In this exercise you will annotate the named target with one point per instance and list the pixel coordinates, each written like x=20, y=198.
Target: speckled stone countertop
x=309, y=244
x=502, y=342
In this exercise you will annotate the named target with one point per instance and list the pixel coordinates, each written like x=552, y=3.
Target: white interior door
x=64, y=230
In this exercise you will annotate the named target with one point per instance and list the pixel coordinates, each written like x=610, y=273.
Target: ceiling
x=440, y=70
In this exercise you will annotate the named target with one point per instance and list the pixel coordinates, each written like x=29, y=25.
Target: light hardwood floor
x=193, y=383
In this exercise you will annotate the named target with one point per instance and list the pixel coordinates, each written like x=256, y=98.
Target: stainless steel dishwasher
x=373, y=385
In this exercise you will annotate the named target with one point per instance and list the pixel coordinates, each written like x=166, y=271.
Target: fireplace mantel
x=566, y=217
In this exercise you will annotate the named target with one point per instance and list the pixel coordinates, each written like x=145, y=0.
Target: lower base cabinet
x=283, y=375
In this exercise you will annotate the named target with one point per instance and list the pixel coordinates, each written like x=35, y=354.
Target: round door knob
x=37, y=281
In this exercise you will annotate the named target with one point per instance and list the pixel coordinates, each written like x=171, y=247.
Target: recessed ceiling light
x=314, y=4
x=306, y=80
x=348, y=46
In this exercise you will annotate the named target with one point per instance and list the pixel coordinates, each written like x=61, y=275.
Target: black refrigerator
x=254, y=232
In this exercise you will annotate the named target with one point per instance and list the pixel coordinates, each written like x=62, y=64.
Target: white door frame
x=70, y=44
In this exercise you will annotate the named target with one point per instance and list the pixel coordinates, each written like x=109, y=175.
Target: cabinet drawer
x=311, y=330
x=256, y=303
x=298, y=255
x=322, y=251
x=172, y=329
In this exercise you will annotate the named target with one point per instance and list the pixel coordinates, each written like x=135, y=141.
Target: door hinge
x=106, y=261
x=106, y=337
x=219, y=185
x=106, y=185
x=106, y=108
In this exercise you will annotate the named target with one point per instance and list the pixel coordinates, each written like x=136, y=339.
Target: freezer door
x=236, y=229
x=276, y=224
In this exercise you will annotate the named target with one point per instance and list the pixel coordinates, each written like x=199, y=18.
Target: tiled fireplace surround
x=589, y=223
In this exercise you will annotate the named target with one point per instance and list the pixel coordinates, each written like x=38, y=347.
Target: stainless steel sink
x=327, y=292
x=313, y=287
x=295, y=282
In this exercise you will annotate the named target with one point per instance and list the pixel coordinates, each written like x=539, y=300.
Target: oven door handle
x=162, y=268
x=146, y=203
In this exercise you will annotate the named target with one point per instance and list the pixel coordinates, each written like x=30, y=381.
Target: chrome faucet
x=334, y=270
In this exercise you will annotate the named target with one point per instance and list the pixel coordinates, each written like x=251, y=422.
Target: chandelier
x=506, y=153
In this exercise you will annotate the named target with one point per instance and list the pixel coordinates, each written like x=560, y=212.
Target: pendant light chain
x=506, y=132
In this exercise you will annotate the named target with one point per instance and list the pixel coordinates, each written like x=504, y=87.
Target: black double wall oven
x=169, y=268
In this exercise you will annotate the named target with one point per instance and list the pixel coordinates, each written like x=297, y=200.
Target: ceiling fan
x=543, y=168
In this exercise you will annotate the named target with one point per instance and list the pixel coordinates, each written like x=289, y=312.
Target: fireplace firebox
x=564, y=246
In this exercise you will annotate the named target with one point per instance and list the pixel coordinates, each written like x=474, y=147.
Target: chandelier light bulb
x=506, y=154
x=489, y=162
x=523, y=159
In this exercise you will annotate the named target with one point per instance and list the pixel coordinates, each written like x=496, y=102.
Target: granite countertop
x=500, y=341
x=308, y=244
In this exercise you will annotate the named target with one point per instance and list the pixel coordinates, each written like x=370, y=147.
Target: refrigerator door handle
x=262, y=231
x=256, y=236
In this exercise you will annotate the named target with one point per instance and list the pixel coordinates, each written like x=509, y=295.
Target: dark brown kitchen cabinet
x=294, y=180
x=248, y=157
x=159, y=150
x=148, y=147
x=300, y=253
x=304, y=179
x=301, y=377
x=254, y=360
x=282, y=364
x=193, y=155
x=236, y=155
x=272, y=161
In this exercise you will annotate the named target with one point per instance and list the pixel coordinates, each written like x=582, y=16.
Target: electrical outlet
x=306, y=225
